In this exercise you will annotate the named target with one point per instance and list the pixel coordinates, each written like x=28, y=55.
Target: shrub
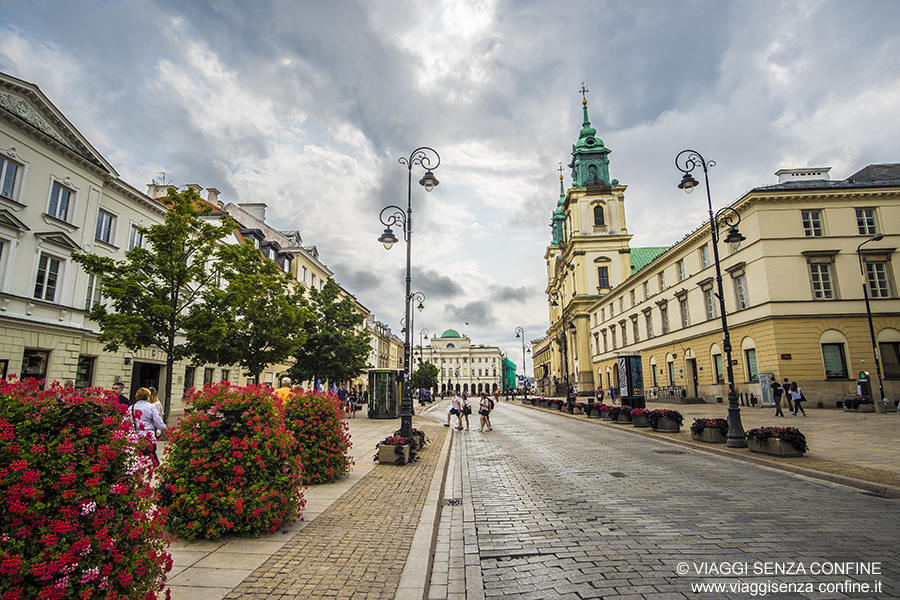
x=230, y=465
x=664, y=413
x=76, y=516
x=321, y=435
x=615, y=411
x=790, y=435
x=700, y=424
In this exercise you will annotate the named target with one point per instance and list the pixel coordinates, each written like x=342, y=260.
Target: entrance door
x=691, y=368
x=144, y=375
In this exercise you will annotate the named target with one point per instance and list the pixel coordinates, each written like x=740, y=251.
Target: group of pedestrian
x=459, y=407
x=145, y=415
x=793, y=395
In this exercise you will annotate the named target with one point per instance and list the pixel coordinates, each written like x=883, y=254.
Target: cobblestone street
x=551, y=507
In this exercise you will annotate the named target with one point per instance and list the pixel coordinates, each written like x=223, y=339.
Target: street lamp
x=865, y=285
x=728, y=217
x=392, y=216
x=520, y=333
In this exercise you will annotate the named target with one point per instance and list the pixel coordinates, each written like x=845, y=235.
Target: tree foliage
x=425, y=377
x=336, y=345
x=252, y=317
x=151, y=292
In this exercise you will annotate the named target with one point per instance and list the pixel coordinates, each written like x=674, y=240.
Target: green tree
x=336, y=345
x=425, y=377
x=151, y=292
x=253, y=317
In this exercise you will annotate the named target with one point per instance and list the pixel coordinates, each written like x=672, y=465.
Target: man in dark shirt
x=118, y=389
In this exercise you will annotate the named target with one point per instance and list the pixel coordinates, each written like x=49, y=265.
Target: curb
x=415, y=580
x=877, y=489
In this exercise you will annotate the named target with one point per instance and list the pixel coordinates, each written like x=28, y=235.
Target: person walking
x=284, y=392
x=466, y=410
x=787, y=396
x=777, y=392
x=118, y=388
x=484, y=409
x=146, y=421
x=352, y=402
x=797, y=397
x=342, y=397
x=455, y=409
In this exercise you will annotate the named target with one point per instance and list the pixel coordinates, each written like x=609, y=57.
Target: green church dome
x=451, y=333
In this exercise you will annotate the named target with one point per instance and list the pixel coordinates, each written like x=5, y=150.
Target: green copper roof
x=641, y=257
x=450, y=333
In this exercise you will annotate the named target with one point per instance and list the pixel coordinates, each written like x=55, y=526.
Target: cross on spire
x=560, y=170
x=583, y=92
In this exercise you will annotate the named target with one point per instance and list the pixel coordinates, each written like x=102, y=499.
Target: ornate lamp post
x=865, y=285
x=687, y=161
x=520, y=333
x=391, y=216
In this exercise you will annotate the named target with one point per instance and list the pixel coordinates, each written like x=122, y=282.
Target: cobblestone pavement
x=551, y=507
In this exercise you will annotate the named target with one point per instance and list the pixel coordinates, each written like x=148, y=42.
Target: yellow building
x=793, y=289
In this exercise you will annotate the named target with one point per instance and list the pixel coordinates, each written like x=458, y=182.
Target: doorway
x=691, y=368
x=144, y=375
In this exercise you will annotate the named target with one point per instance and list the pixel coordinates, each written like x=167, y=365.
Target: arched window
x=592, y=175
x=834, y=354
x=599, y=218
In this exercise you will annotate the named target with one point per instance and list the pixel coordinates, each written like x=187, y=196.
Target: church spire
x=558, y=222
x=590, y=157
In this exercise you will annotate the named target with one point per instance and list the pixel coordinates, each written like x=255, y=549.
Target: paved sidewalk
x=343, y=544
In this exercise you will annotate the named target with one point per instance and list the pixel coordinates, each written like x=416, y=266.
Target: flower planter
x=712, y=436
x=623, y=419
x=866, y=408
x=667, y=426
x=577, y=411
x=773, y=446
x=640, y=421
x=594, y=414
x=388, y=456
x=604, y=415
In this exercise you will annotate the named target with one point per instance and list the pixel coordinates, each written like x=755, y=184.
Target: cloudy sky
x=308, y=105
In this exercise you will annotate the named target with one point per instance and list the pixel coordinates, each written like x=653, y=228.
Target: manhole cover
x=670, y=452
x=452, y=501
x=617, y=474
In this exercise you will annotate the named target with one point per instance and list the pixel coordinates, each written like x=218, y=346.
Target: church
x=829, y=238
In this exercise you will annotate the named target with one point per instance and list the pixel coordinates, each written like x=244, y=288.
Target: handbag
x=467, y=410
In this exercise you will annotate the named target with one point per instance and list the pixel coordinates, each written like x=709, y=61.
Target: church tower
x=587, y=256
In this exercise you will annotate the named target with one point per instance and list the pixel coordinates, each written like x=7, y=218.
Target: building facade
x=465, y=367
x=793, y=292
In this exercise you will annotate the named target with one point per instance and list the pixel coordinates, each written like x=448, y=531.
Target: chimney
x=156, y=191
x=808, y=174
x=257, y=210
x=212, y=196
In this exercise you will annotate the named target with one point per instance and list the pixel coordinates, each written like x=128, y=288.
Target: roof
x=641, y=257
x=450, y=333
x=872, y=176
x=883, y=172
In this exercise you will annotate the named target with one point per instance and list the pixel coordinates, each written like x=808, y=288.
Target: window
x=622, y=304
x=719, y=368
x=603, y=277
x=671, y=373
x=605, y=345
x=646, y=290
x=655, y=378
x=624, y=334
x=710, y=302
x=105, y=222
x=835, y=361
x=664, y=318
x=633, y=298
x=740, y=292
x=188, y=378
x=812, y=223
x=662, y=281
x=34, y=364
x=136, y=238
x=93, y=292
x=752, y=371
x=60, y=201
x=890, y=359
x=208, y=375
x=303, y=274
x=865, y=221
x=226, y=375
x=680, y=268
x=877, y=277
x=685, y=312
x=314, y=280
x=612, y=331
x=84, y=372
x=704, y=256
x=9, y=171
x=820, y=275
x=648, y=321
x=599, y=220
x=596, y=343
x=48, y=274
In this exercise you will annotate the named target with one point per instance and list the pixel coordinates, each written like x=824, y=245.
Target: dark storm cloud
x=358, y=281
x=521, y=294
x=478, y=313
x=435, y=285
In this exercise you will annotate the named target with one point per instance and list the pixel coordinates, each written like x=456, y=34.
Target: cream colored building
x=465, y=367
x=793, y=290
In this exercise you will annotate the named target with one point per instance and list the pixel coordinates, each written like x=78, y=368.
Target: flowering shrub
x=615, y=411
x=230, y=465
x=637, y=412
x=395, y=440
x=321, y=435
x=76, y=515
x=790, y=435
x=664, y=413
x=700, y=424
x=853, y=403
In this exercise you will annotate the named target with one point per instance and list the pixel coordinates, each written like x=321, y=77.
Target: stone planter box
x=640, y=421
x=623, y=419
x=773, y=446
x=577, y=410
x=594, y=414
x=712, y=436
x=604, y=414
x=863, y=408
x=388, y=456
x=667, y=426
